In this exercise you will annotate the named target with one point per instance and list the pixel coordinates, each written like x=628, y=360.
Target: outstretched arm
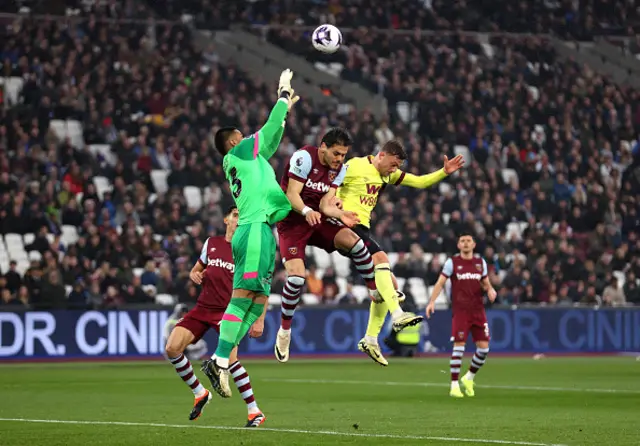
x=428, y=180
x=269, y=136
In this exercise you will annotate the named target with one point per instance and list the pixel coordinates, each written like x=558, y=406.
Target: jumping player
x=214, y=271
x=366, y=179
x=311, y=179
x=469, y=281
x=261, y=203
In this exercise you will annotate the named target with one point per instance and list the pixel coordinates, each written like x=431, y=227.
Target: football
x=326, y=38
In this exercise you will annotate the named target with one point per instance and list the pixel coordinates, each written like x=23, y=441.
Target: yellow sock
x=377, y=315
x=384, y=285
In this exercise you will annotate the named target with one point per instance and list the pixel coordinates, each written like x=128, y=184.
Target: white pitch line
x=268, y=429
x=426, y=384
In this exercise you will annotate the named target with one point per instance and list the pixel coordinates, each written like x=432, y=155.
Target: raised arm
x=269, y=136
x=428, y=180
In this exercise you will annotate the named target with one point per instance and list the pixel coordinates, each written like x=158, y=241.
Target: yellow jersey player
x=365, y=179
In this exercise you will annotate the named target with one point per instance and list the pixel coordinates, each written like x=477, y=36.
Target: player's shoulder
x=216, y=241
x=311, y=150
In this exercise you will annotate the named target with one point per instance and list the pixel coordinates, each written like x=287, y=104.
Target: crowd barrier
x=138, y=333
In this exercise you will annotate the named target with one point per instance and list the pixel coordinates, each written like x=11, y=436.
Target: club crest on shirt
x=293, y=250
x=332, y=175
x=479, y=268
x=461, y=335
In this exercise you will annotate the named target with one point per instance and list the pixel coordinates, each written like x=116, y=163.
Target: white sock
x=455, y=384
x=285, y=330
x=371, y=339
x=469, y=375
x=397, y=313
x=221, y=362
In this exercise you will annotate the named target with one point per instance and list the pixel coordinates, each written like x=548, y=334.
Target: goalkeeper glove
x=285, y=90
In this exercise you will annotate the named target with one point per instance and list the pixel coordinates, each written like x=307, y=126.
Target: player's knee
x=295, y=268
x=355, y=246
x=379, y=258
x=172, y=350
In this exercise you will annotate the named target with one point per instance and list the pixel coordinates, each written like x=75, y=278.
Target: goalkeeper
x=261, y=203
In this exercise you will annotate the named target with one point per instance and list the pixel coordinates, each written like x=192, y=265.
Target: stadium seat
x=342, y=285
x=464, y=151
x=68, y=289
x=12, y=88
x=361, y=292
x=150, y=290
x=428, y=257
x=275, y=299
x=404, y=111
x=322, y=258
x=513, y=230
x=138, y=272
x=419, y=291
x=444, y=188
x=159, y=180
x=310, y=299
x=442, y=257
x=320, y=273
x=393, y=258
x=34, y=256
x=69, y=235
x=446, y=218
x=29, y=238
x=59, y=128
x=621, y=278
x=164, y=299
x=401, y=283
x=193, y=196
x=13, y=240
x=74, y=133
x=51, y=238
x=103, y=151
x=102, y=185
x=508, y=175
x=341, y=263
x=442, y=301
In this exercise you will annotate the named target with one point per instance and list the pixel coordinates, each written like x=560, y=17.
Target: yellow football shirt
x=362, y=186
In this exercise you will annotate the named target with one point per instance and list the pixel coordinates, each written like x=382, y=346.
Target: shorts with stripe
x=254, y=254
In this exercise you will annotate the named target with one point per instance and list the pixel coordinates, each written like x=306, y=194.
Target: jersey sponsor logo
x=372, y=189
x=221, y=264
x=317, y=186
x=293, y=250
x=368, y=200
x=468, y=276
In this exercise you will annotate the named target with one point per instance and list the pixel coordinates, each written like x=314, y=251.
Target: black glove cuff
x=285, y=94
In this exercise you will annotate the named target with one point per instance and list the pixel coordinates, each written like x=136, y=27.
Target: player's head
x=334, y=147
x=231, y=219
x=226, y=139
x=466, y=243
x=391, y=157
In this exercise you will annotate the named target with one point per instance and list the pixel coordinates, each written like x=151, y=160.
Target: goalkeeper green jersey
x=255, y=190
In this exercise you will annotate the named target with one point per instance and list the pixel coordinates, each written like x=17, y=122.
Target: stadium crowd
x=551, y=190
x=579, y=20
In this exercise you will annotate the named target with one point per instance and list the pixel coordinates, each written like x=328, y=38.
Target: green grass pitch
x=554, y=401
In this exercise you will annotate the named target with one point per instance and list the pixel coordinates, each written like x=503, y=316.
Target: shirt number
x=235, y=183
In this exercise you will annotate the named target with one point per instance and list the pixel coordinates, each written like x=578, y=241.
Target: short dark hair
x=394, y=148
x=220, y=140
x=337, y=136
x=230, y=209
x=466, y=234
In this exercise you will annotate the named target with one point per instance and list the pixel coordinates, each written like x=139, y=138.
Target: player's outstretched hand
x=196, y=277
x=349, y=218
x=453, y=165
x=285, y=83
x=492, y=294
x=431, y=308
x=313, y=218
x=257, y=328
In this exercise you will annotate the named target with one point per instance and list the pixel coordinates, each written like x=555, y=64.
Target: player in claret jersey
x=469, y=281
x=311, y=178
x=366, y=179
x=214, y=271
